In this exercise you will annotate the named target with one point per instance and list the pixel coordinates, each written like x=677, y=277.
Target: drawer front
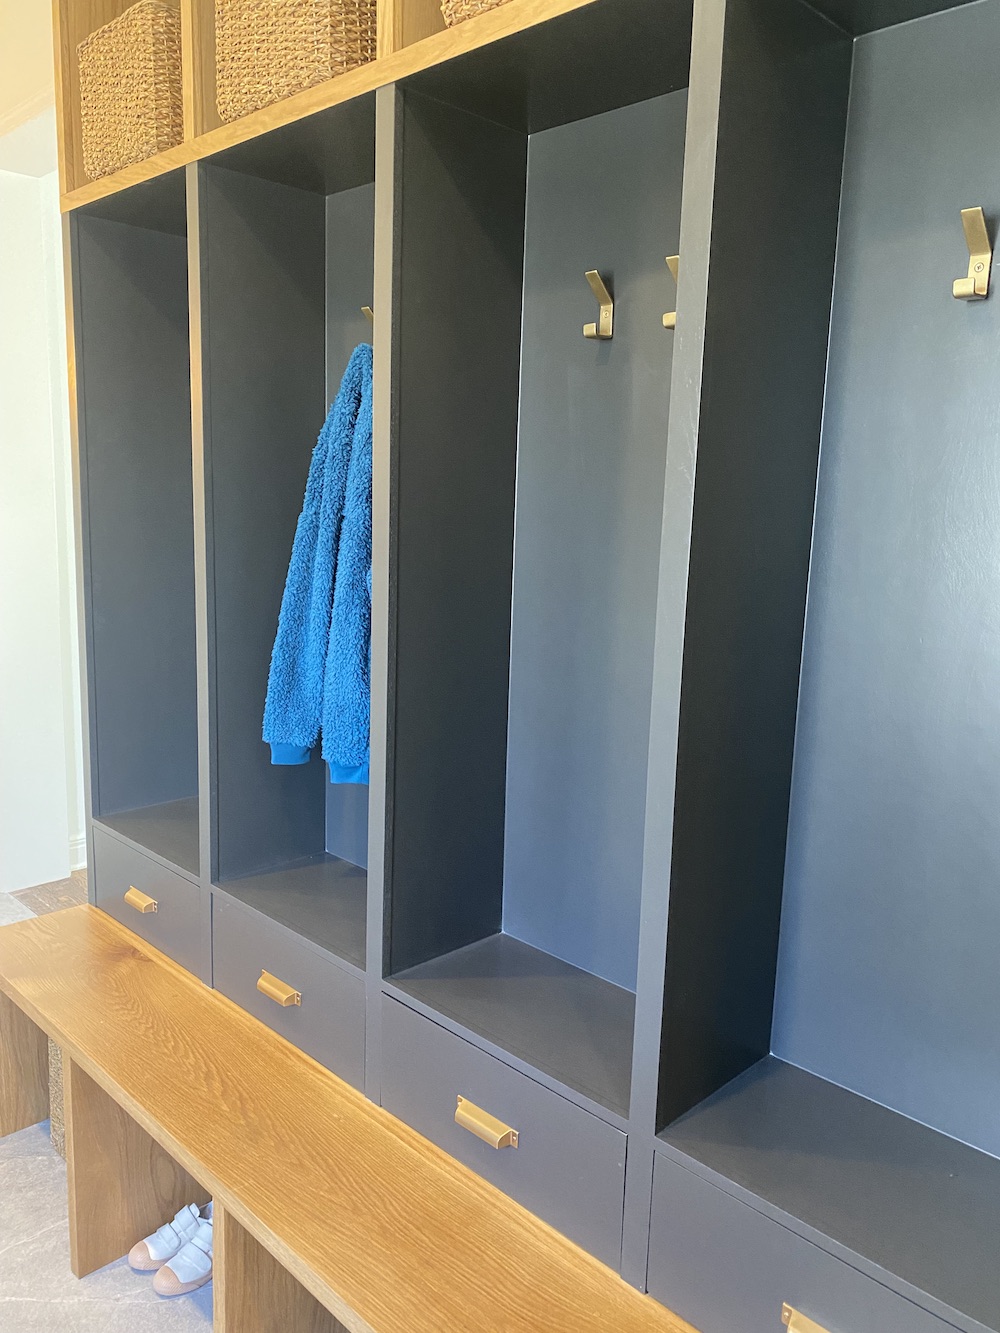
x=568, y=1166
x=181, y=924
x=329, y=1024
x=727, y=1268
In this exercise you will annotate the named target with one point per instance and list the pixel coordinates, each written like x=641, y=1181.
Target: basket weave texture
x=130, y=88
x=455, y=11
x=266, y=50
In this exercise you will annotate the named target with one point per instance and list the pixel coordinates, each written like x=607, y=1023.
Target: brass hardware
x=673, y=263
x=605, y=324
x=798, y=1323
x=140, y=901
x=485, y=1126
x=368, y=313
x=277, y=991
x=976, y=287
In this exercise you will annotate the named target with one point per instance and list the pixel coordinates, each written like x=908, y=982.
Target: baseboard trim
x=78, y=853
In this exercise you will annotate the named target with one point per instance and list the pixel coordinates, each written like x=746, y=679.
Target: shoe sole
x=171, y=1287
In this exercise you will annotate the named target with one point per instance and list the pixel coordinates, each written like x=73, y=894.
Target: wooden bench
x=330, y=1213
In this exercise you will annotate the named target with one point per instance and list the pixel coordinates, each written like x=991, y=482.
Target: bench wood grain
x=386, y=1232
x=24, y=1070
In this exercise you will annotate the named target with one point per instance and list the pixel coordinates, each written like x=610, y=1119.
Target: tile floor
x=38, y=1293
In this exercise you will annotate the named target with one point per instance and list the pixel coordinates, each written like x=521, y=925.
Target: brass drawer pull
x=140, y=901
x=487, y=1127
x=798, y=1323
x=277, y=991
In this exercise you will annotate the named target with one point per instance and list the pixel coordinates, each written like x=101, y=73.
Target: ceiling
x=26, y=78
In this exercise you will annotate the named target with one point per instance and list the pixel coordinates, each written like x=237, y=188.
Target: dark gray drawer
x=329, y=1024
x=568, y=1166
x=727, y=1268
x=181, y=924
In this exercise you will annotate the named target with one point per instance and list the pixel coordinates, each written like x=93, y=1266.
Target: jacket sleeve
x=293, y=708
x=347, y=689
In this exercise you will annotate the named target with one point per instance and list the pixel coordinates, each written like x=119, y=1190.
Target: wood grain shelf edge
x=505, y=21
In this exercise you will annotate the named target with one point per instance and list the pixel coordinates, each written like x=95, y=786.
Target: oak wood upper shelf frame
x=411, y=38
x=388, y=1233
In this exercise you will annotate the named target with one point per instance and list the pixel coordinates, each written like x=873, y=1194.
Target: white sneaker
x=190, y=1268
x=152, y=1253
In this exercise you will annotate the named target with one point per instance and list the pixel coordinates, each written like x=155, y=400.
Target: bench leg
x=24, y=1070
x=122, y=1184
x=254, y=1293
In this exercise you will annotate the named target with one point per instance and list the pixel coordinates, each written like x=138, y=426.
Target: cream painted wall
x=26, y=65
x=41, y=752
x=41, y=764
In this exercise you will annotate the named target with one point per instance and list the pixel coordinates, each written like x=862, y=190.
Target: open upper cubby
x=831, y=1014
x=286, y=227
x=73, y=24
x=530, y=467
x=400, y=24
x=133, y=383
x=403, y=22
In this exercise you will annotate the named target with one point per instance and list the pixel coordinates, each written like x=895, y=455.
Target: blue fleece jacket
x=347, y=686
x=294, y=710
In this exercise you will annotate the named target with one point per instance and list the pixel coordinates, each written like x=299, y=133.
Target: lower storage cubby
x=166, y=910
x=168, y=830
x=316, y=1003
x=726, y=1268
x=562, y=1163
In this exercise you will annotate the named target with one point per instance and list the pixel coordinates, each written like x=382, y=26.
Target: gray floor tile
x=38, y=1293
x=11, y=910
x=32, y=1142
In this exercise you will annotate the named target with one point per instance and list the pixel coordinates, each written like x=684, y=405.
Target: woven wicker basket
x=455, y=11
x=130, y=88
x=269, y=49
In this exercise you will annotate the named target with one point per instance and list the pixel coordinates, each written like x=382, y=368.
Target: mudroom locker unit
x=671, y=904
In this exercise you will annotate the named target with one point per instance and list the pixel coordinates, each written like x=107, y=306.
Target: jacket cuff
x=349, y=773
x=282, y=753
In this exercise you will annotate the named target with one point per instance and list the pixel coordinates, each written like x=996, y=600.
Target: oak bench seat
x=327, y=1208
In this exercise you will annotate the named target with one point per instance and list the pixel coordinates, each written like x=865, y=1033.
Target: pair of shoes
x=179, y=1254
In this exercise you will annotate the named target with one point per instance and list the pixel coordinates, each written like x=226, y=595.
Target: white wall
x=41, y=780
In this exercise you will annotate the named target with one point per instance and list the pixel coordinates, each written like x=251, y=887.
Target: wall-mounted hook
x=976, y=287
x=605, y=324
x=670, y=319
x=368, y=313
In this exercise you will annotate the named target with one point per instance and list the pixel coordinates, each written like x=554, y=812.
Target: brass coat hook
x=605, y=324
x=368, y=313
x=670, y=319
x=976, y=287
